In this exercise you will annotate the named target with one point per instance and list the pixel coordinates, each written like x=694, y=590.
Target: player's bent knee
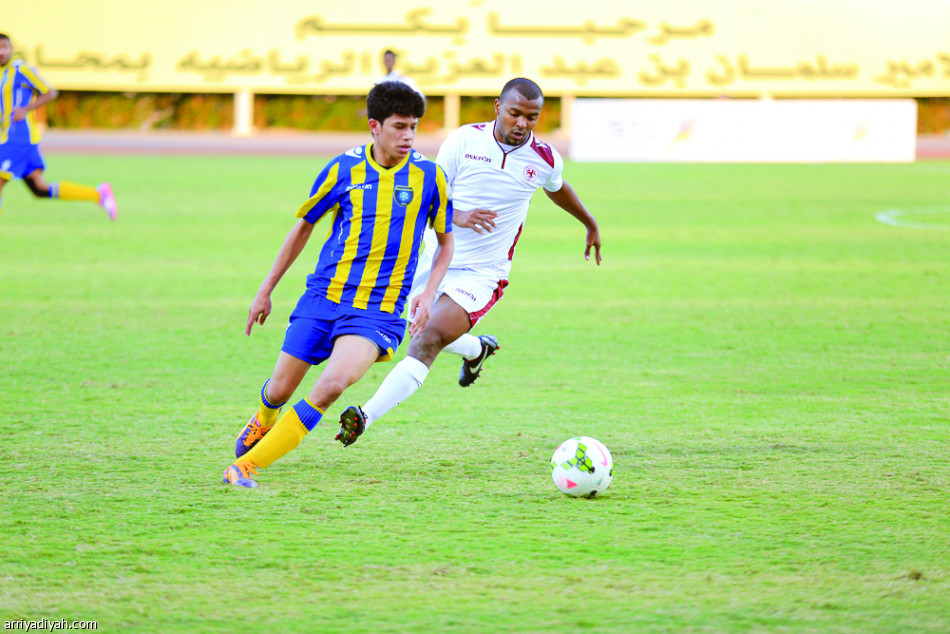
x=38, y=191
x=427, y=346
x=328, y=390
x=279, y=391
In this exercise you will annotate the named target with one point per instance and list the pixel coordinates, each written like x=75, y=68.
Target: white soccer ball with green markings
x=582, y=467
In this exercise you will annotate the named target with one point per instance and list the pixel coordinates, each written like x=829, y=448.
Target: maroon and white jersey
x=485, y=174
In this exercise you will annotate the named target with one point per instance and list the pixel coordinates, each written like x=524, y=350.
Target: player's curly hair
x=394, y=97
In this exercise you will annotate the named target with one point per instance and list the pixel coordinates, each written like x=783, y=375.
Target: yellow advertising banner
x=622, y=48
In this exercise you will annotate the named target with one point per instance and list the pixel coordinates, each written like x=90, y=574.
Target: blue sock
x=267, y=412
x=308, y=414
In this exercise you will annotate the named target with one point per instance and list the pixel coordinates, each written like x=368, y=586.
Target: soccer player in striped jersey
x=379, y=198
x=494, y=169
x=22, y=91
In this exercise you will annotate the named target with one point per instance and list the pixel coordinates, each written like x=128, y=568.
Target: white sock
x=467, y=346
x=401, y=383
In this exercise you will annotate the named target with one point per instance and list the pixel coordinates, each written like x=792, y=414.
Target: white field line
x=905, y=218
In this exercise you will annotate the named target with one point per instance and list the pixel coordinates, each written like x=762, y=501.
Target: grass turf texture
x=766, y=361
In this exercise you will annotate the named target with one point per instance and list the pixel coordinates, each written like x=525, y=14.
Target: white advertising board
x=740, y=131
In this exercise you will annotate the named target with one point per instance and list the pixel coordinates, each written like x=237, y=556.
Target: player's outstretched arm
x=566, y=198
x=293, y=244
x=421, y=304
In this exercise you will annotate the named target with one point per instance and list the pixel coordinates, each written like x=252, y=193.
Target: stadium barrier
x=744, y=130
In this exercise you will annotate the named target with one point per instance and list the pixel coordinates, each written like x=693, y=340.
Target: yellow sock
x=267, y=413
x=267, y=416
x=74, y=191
x=283, y=438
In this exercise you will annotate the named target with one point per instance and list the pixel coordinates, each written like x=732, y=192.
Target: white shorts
x=474, y=291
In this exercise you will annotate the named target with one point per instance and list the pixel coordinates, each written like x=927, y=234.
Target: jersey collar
x=379, y=168
x=528, y=140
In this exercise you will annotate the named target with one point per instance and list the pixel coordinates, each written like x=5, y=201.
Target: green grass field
x=766, y=360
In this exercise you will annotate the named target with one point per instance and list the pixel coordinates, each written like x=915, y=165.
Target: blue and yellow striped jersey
x=18, y=84
x=379, y=215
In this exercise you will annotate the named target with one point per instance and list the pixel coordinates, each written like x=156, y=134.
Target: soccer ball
x=582, y=467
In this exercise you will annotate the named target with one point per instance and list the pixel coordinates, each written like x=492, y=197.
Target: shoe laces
x=247, y=469
x=255, y=433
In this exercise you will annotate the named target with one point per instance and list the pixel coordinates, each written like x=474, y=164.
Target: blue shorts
x=19, y=159
x=316, y=323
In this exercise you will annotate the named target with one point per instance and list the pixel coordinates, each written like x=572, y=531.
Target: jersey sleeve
x=323, y=195
x=440, y=213
x=448, y=157
x=32, y=79
x=555, y=182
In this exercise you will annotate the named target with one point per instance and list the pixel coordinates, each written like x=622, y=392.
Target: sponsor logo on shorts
x=530, y=173
x=471, y=296
x=384, y=337
x=475, y=157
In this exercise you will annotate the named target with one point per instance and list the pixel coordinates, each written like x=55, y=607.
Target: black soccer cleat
x=472, y=368
x=352, y=425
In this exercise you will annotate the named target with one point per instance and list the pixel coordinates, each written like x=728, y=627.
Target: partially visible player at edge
x=22, y=91
x=380, y=198
x=493, y=169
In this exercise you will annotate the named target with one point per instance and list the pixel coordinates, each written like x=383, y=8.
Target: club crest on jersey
x=403, y=195
x=530, y=173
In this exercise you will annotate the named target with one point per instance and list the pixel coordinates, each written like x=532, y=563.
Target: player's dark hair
x=394, y=97
x=528, y=89
x=4, y=36
x=389, y=52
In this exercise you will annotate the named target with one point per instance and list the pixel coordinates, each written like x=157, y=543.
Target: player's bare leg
x=474, y=351
x=447, y=322
x=288, y=372
x=3, y=181
x=351, y=357
x=34, y=181
x=65, y=190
